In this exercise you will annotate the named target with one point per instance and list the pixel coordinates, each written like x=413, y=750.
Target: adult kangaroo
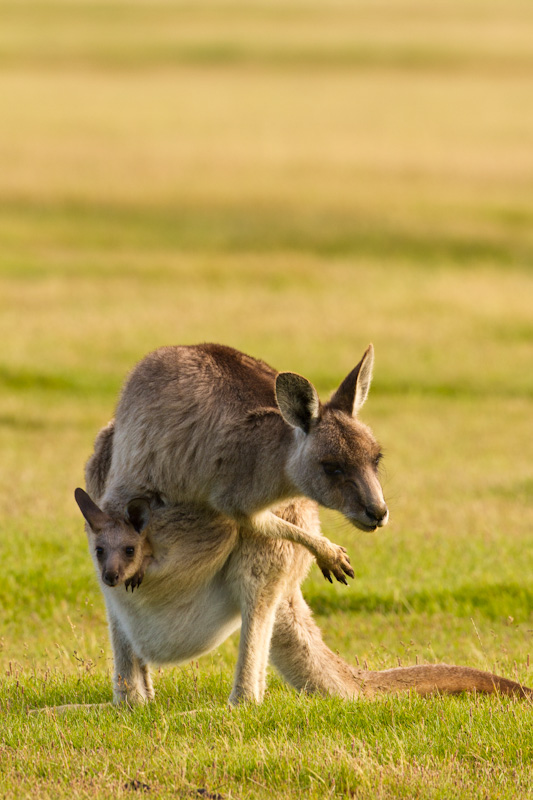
x=207, y=424
x=198, y=577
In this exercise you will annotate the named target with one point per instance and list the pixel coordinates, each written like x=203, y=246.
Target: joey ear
x=94, y=515
x=138, y=513
x=353, y=391
x=297, y=400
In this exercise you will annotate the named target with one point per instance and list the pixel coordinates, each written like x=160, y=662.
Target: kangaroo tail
x=301, y=656
x=97, y=467
x=445, y=678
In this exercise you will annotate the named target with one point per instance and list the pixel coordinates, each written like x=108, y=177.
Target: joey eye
x=129, y=551
x=99, y=551
x=378, y=459
x=332, y=469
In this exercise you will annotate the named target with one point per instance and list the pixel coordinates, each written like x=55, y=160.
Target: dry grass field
x=294, y=179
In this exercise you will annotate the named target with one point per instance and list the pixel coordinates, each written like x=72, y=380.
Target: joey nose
x=110, y=577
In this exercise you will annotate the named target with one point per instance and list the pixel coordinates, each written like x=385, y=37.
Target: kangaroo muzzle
x=373, y=511
x=378, y=515
x=111, y=572
x=110, y=577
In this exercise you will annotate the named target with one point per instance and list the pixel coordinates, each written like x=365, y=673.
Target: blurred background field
x=294, y=179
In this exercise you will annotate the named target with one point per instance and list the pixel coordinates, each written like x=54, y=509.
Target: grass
x=295, y=180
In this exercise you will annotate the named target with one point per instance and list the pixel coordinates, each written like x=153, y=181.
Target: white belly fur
x=170, y=627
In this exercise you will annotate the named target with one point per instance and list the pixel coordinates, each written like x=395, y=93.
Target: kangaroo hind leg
x=257, y=575
x=301, y=656
x=250, y=673
x=132, y=683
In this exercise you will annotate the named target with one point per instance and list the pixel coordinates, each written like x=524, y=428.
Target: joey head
x=118, y=544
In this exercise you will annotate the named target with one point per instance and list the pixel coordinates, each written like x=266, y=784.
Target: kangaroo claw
x=135, y=581
x=326, y=574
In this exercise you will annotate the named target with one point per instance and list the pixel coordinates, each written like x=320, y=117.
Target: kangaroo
x=209, y=425
x=202, y=577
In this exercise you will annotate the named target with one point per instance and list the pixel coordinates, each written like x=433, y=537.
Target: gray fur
x=203, y=424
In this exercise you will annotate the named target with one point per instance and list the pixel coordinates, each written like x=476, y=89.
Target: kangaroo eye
x=378, y=459
x=332, y=469
x=99, y=551
x=129, y=551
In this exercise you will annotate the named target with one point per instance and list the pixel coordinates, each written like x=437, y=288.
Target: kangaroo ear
x=297, y=400
x=94, y=515
x=138, y=513
x=353, y=391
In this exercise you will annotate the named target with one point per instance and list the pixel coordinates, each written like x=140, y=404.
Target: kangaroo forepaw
x=337, y=564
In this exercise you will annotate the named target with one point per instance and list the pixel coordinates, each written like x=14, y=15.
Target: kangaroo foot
x=240, y=696
x=337, y=562
x=124, y=695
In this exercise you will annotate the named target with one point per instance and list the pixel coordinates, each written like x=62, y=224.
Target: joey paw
x=135, y=581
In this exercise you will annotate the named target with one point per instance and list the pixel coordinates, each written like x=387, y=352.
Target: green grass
x=296, y=180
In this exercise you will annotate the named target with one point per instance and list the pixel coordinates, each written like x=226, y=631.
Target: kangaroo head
x=119, y=545
x=335, y=457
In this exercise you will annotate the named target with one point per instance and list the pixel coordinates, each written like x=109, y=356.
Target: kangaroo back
x=187, y=427
x=97, y=467
x=208, y=424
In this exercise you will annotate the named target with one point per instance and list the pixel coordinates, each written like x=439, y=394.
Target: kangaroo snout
x=378, y=515
x=110, y=577
x=370, y=515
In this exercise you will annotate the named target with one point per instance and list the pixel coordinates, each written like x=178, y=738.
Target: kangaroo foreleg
x=331, y=558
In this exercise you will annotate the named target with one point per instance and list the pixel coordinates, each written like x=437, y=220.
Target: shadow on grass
x=495, y=601
x=238, y=228
x=29, y=381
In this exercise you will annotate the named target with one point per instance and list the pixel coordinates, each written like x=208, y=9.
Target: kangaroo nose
x=378, y=514
x=384, y=518
x=110, y=577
